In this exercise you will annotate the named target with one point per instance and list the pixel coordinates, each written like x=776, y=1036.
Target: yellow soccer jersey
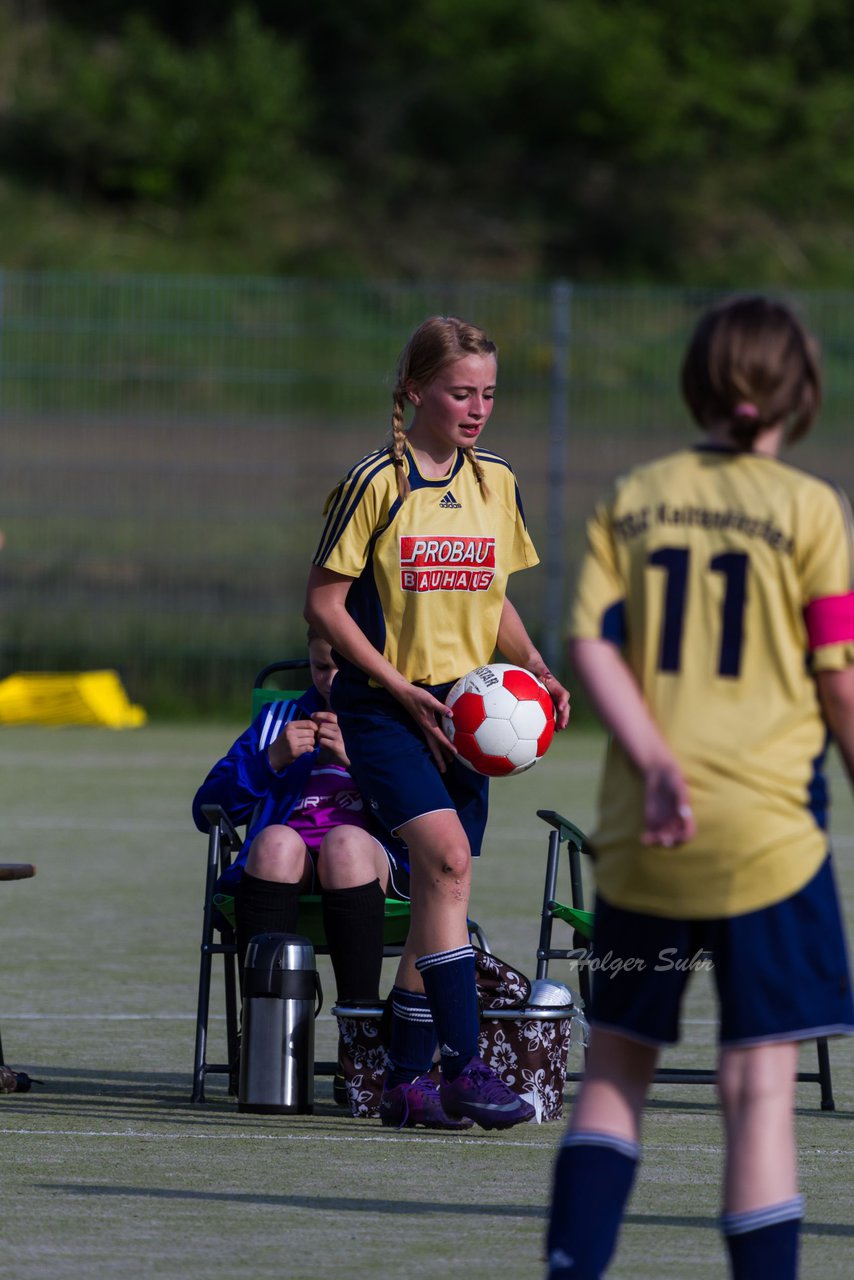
x=431, y=572
x=721, y=576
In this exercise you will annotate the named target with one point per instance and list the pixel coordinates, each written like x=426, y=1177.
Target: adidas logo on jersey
x=449, y=503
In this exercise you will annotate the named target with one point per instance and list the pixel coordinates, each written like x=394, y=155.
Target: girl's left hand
x=426, y=711
x=329, y=737
x=559, y=696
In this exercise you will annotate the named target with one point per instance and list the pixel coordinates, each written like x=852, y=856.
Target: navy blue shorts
x=393, y=768
x=781, y=973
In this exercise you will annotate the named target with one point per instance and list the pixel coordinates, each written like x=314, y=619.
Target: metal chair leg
x=231, y=1011
x=827, y=1100
x=222, y=840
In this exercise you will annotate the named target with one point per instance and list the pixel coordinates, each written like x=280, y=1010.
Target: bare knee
x=614, y=1089
x=440, y=859
x=277, y=853
x=449, y=870
x=456, y=864
x=756, y=1076
x=349, y=856
x=443, y=886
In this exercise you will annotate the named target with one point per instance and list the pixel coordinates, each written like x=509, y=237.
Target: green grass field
x=108, y=1171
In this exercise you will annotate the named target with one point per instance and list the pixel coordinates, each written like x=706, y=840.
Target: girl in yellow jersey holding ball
x=409, y=585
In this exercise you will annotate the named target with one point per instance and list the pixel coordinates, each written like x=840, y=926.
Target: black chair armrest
x=217, y=817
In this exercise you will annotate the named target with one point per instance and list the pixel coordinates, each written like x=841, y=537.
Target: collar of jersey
x=728, y=449
x=417, y=481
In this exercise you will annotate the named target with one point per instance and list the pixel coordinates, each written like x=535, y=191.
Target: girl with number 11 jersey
x=719, y=572
x=713, y=628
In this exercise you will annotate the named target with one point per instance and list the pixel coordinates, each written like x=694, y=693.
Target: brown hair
x=752, y=363
x=438, y=341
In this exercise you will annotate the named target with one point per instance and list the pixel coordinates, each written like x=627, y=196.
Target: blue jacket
x=254, y=795
x=244, y=784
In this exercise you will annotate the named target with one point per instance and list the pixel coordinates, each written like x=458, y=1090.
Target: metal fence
x=167, y=444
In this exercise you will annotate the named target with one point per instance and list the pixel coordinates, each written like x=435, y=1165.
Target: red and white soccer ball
x=503, y=722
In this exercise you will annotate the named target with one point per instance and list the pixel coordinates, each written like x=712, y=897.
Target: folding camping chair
x=283, y=679
x=581, y=922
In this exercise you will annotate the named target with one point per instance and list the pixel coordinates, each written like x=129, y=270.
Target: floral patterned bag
x=526, y=1047
x=362, y=1060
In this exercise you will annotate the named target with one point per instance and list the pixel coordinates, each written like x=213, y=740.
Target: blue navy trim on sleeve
x=346, y=501
x=484, y=455
x=613, y=624
x=818, y=795
x=519, y=505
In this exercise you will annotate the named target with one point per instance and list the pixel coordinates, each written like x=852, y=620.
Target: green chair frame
x=580, y=921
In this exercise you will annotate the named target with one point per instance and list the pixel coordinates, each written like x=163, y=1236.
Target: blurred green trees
x=597, y=139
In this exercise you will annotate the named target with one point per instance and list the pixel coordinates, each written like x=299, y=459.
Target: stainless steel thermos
x=280, y=986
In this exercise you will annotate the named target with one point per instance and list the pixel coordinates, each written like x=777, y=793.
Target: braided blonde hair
x=437, y=342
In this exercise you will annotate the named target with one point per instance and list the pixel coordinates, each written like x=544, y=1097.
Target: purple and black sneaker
x=479, y=1094
x=407, y=1105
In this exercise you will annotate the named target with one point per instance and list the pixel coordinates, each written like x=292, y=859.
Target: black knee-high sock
x=353, y=923
x=262, y=906
x=450, y=987
x=764, y=1242
x=592, y=1181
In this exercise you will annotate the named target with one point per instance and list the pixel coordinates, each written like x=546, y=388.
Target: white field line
x=190, y=1017
x=122, y=1017
x=107, y=1017
x=219, y=1136
x=102, y=760
x=43, y=822
x=689, y=1148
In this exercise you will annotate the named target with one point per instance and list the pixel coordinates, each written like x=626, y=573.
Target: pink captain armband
x=830, y=620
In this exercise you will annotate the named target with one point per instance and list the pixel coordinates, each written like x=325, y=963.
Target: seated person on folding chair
x=286, y=778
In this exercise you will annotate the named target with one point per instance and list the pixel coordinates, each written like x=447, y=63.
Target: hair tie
x=746, y=410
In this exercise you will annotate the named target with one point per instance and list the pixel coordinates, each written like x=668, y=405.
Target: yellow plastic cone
x=65, y=698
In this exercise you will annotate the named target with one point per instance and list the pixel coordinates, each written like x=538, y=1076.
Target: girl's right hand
x=668, y=816
x=297, y=737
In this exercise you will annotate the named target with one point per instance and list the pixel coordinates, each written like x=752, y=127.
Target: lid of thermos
x=279, y=964
x=279, y=951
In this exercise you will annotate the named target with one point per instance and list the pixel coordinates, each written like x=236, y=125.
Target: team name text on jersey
x=446, y=563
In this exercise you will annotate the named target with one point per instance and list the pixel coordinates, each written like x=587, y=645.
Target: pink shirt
x=330, y=799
